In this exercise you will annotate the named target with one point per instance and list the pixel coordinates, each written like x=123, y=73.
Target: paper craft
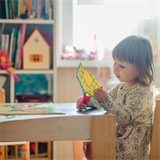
x=87, y=81
x=29, y=109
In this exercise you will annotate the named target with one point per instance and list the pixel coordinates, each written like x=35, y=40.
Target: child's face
x=125, y=71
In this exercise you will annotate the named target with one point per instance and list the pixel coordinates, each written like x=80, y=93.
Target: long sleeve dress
x=133, y=110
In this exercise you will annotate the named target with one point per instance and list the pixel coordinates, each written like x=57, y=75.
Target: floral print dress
x=133, y=110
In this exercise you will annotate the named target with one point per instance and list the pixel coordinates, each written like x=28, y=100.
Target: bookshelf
x=49, y=25
x=38, y=151
x=53, y=27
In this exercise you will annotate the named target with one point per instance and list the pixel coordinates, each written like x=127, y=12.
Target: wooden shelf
x=29, y=72
x=85, y=63
x=89, y=63
x=27, y=21
x=75, y=63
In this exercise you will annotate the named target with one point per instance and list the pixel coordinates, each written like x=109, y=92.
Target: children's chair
x=25, y=145
x=155, y=139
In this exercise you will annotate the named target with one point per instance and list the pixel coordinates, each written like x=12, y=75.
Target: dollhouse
x=36, y=52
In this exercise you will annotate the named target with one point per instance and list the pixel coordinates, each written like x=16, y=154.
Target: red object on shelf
x=33, y=98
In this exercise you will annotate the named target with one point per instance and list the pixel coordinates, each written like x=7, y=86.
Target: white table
x=91, y=125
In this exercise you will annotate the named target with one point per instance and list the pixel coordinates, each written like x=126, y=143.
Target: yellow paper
x=87, y=81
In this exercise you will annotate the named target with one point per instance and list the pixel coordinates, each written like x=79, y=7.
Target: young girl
x=132, y=100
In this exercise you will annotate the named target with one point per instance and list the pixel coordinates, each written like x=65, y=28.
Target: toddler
x=131, y=100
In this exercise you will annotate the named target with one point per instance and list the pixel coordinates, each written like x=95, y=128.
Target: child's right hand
x=82, y=106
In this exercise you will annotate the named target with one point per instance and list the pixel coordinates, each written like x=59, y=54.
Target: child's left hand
x=100, y=94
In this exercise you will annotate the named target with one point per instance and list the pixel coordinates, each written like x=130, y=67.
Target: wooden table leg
x=104, y=137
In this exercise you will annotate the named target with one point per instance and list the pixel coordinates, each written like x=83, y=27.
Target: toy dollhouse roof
x=36, y=30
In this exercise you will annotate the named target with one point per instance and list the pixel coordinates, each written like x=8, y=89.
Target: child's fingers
x=100, y=90
x=97, y=91
x=83, y=106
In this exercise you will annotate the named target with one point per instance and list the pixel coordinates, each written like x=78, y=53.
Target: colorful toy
x=87, y=82
x=6, y=64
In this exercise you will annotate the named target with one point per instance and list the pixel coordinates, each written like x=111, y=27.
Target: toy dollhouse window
x=36, y=58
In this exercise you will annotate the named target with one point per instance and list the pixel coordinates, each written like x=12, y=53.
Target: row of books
x=11, y=9
x=13, y=45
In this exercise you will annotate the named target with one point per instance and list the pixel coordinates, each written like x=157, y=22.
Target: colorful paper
x=87, y=81
x=28, y=109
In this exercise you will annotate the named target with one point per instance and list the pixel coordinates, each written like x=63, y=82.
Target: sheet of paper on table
x=29, y=109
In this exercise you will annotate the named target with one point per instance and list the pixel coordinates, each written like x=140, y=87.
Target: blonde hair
x=137, y=50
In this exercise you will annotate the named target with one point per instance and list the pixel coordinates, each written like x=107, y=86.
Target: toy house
x=36, y=52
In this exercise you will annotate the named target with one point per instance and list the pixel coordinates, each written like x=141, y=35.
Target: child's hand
x=82, y=106
x=100, y=94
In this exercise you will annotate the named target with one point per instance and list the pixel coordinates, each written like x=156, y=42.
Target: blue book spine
x=46, y=10
x=6, y=5
x=11, y=43
x=33, y=8
x=43, y=9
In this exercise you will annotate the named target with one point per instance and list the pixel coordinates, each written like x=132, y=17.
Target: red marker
x=84, y=100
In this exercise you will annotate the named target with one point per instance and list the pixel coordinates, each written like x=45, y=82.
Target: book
x=2, y=9
x=34, y=7
x=10, y=9
x=29, y=109
x=6, y=43
x=13, y=11
x=14, y=46
x=19, y=8
x=3, y=42
x=30, y=7
x=6, y=5
x=11, y=43
x=18, y=50
x=23, y=32
x=15, y=7
x=46, y=10
x=25, y=5
x=43, y=8
x=23, y=8
x=39, y=8
x=49, y=10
